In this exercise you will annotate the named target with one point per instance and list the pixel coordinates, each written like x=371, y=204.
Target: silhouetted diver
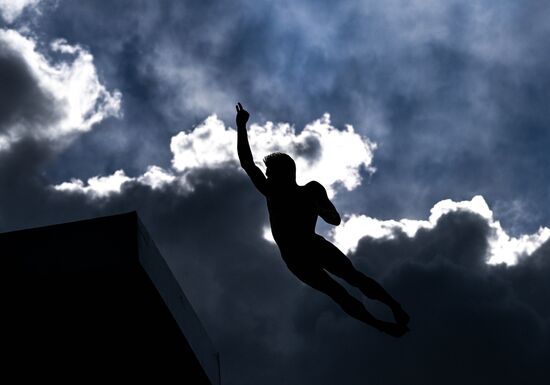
x=293, y=212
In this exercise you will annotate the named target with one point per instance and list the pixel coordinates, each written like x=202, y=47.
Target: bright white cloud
x=502, y=247
x=77, y=95
x=338, y=156
x=209, y=145
x=156, y=177
x=105, y=186
x=97, y=186
x=11, y=9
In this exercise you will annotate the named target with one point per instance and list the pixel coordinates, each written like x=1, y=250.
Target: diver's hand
x=242, y=115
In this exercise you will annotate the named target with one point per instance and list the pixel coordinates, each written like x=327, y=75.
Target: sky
x=426, y=121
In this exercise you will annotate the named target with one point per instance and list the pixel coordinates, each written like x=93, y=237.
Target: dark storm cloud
x=23, y=103
x=310, y=149
x=471, y=323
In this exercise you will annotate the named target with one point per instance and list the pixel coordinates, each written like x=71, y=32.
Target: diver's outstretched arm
x=245, y=154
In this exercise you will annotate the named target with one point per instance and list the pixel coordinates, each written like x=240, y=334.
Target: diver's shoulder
x=314, y=186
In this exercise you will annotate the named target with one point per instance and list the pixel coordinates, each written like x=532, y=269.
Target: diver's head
x=281, y=168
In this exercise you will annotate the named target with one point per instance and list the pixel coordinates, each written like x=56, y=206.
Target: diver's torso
x=292, y=214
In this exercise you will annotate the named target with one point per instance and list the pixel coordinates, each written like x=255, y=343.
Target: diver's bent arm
x=325, y=208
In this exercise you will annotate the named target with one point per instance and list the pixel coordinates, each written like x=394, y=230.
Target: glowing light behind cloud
x=337, y=160
x=104, y=186
x=72, y=83
x=97, y=186
x=503, y=248
x=338, y=156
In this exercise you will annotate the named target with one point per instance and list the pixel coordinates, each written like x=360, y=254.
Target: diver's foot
x=393, y=329
x=400, y=315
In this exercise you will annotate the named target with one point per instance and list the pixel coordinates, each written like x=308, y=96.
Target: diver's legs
x=320, y=280
x=339, y=264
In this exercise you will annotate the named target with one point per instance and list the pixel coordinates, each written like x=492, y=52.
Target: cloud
x=491, y=321
x=208, y=145
x=97, y=187
x=502, y=248
x=156, y=177
x=450, y=88
x=45, y=99
x=212, y=145
x=318, y=150
x=105, y=186
x=275, y=330
x=11, y=9
x=465, y=314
